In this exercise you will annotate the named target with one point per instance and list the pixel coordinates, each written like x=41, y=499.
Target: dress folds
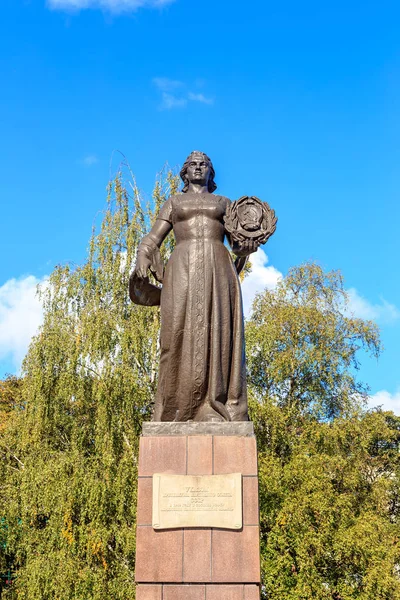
x=202, y=365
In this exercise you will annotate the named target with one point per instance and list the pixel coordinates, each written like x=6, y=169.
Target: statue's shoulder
x=165, y=213
x=224, y=201
x=168, y=206
x=171, y=200
x=175, y=197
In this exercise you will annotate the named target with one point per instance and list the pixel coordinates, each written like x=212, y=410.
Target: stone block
x=224, y=592
x=235, y=455
x=158, y=555
x=200, y=455
x=184, y=592
x=162, y=455
x=145, y=501
x=197, y=556
x=237, y=428
x=148, y=592
x=250, y=501
x=236, y=556
x=251, y=592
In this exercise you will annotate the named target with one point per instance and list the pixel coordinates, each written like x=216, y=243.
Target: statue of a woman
x=202, y=373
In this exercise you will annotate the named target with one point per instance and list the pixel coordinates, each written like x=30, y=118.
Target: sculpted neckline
x=194, y=195
x=183, y=194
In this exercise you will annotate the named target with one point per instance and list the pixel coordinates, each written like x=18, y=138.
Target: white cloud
x=167, y=85
x=168, y=88
x=20, y=317
x=200, y=98
x=113, y=6
x=89, y=160
x=174, y=94
x=170, y=101
x=260, y=278
x=363, y=309
x=387, y=400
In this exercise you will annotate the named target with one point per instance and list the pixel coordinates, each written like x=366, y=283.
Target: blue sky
x=297, y=103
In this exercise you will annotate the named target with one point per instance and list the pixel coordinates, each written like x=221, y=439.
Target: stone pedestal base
x=198, y=563
x=195, y=591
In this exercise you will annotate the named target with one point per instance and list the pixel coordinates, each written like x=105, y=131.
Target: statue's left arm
x=242, y=253
x=242, y=250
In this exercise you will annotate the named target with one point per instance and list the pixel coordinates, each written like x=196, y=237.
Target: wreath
x=250, y=219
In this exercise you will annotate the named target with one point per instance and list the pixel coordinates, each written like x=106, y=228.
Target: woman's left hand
x=252, y=246
x=245, y=248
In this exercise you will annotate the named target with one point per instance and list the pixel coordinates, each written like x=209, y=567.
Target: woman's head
x=197, y=166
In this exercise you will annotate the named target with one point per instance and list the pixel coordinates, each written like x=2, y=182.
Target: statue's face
x=198, y=171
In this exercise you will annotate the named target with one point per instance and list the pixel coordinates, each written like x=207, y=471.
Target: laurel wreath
x=235, y=228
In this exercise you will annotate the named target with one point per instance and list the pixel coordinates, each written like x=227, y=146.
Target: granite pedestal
x=198, y=563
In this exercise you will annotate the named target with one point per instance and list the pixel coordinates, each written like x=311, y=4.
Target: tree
x=10, y=405
x=88, y=382
x=328, y=469
x=303, y=347
x=329, y=509
x=10, y=399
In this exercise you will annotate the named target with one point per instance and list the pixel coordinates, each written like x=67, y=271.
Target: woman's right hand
x=142, y=265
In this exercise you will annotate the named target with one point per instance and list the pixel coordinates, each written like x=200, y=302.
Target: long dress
x=202, y=366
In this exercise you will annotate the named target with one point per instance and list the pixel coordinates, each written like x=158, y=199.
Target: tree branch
x=14, y=457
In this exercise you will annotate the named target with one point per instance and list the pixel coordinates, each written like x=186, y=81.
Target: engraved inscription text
x=197, y=501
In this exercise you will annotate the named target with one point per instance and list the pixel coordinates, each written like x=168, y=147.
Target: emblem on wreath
x=250, y=219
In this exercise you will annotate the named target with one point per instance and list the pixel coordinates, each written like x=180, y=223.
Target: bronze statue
x=202, y=374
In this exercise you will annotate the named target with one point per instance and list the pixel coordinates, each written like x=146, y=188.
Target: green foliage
x=11, y=403
x=303, y=348
x=69, y=429
x=89, y=380
x=328, y=471
x=329, y=508
x=10, y=399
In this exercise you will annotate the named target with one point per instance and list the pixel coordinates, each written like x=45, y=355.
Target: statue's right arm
x=148, y=255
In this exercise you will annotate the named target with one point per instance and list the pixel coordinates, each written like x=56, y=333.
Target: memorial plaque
x=197, y=501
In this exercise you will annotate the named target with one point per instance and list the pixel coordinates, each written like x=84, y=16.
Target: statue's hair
x=211, y=183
